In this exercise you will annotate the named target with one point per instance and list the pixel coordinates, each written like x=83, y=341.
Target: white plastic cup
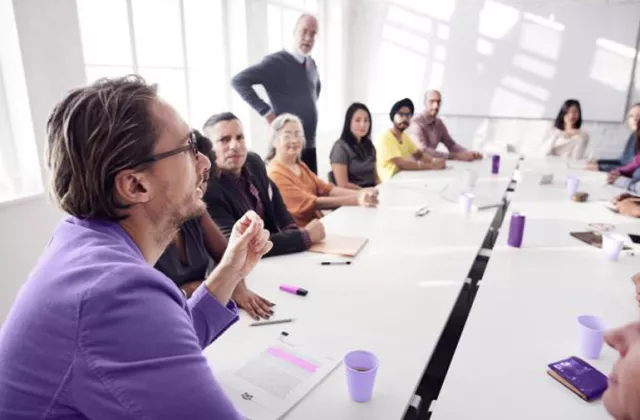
x=469, y=178
x=612, y=245
x=466, y=202
x=573, y=184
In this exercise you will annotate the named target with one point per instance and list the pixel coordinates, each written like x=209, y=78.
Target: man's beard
x=178, y=214
x=401, y=127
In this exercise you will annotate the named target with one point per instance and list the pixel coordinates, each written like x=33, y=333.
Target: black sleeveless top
x=198, y=259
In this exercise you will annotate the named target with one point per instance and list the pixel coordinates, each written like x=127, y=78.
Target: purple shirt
x=630, y=167
x=427, y=132
x=97, y=333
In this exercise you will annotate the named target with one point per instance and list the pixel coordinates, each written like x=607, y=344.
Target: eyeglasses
x=193, y=146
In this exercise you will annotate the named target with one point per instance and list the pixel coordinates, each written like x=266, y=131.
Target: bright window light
x=532, y=65
x=612, y=64
x=178, y=44
x=409, y=19
x=439, y=9
x=497, y=20
x=20, y=174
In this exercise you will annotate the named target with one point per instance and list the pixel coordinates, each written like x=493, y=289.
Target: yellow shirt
x=388, y=148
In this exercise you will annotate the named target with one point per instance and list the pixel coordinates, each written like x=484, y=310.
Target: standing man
x=291, y=80
x=427, y=131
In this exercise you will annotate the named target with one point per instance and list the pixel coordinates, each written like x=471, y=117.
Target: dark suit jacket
x=226, y=207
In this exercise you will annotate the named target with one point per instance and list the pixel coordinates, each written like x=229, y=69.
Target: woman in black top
x=186, y=259
x=198, y=247
x=353, y=156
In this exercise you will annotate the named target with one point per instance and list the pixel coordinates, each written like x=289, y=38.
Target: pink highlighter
x=293, y=290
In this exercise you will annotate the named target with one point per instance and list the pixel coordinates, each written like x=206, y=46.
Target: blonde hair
x=277, y=126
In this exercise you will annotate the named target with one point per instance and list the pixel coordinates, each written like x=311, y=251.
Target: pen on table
x=335, y=263
x=275, y=321
x=422, y=211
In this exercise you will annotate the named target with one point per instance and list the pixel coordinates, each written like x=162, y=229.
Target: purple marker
x=293, y=290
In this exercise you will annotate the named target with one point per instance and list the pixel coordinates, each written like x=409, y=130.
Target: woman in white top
x=566, y=139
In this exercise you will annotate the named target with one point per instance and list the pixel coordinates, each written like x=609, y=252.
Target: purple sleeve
x=631, y=166
x=140, y=351
x=210, y=318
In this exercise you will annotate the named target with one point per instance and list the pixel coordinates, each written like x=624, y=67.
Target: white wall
x=489, y=134
x=49, y=39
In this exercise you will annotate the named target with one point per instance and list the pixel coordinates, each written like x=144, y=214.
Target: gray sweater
x=291, y=88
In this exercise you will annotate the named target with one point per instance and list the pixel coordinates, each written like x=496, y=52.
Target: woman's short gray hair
x=277, y=126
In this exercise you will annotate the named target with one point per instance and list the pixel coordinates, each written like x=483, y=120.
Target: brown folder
x=346, y=246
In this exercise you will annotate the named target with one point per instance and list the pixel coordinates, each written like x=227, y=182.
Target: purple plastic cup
x=361, y=367
x=516, y=230
x=591, y=335
x=495, y=164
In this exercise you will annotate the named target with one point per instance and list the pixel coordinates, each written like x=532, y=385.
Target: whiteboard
x=496, y=59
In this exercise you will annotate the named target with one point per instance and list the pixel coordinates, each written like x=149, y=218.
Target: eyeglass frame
x=193, y=146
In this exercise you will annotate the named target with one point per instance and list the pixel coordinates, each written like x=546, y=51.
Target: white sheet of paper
x=275, y=380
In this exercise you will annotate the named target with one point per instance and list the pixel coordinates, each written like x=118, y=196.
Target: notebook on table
x=345, y=246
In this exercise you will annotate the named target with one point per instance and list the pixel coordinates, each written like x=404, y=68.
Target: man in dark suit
x=242, y=184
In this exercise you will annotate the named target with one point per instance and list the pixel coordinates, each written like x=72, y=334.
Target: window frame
x=185, y=68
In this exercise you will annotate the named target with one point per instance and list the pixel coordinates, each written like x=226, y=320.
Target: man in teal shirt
x=96, y=332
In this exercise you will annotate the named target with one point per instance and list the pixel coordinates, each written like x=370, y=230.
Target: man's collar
x=297, y=55
x=245, y=174
x=429, y=119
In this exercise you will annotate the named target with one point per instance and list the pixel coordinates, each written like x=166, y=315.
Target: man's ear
x=132, y=187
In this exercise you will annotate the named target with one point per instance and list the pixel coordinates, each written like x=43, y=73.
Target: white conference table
x=524, y=315
x=394, y=299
